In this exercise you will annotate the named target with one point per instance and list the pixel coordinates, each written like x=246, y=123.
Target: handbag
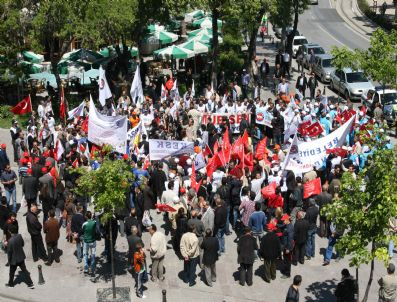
x=146, y=221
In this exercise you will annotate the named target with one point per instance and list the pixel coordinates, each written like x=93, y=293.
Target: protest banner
x=234, y=119
x=263, y=117
x=159, y=148
x=104, y=129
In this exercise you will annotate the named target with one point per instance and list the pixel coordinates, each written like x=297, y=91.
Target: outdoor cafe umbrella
x=165, y=37
x=174, y=52
x=200, y=31
x=206, y=22
x=196, y=46
x=195, y=14
x=206, y=39
x=155, y=27
x=32, y=57
x=107, y=51
x=82, y=55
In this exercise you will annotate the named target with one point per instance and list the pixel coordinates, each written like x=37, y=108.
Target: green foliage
x=364, y=208
x=5, y=112
x=343, y=57
x=107, y=185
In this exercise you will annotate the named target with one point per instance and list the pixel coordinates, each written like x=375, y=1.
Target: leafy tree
x=364, y=208
x=298, y=7
x=380, y=59
x=108, y=186
x=343, y=57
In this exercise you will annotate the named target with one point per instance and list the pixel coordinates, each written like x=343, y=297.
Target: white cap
x=171, y=175
x=176, y=160
x=361, y=113
x=189, y=161
x=189, y=171
x=332, y=106
x=349, y=149
x=382, y=130
x=328, y=115
x=202, y=171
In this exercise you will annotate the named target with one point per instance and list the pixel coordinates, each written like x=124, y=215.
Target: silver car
x=350, y=83
x=306, y=50
x=323, y=67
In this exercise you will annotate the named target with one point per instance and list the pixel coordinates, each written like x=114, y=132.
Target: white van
x=296, y=42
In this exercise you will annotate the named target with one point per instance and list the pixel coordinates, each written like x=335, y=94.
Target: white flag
x=136, y=91
x=104, y=129
x=78, y=111
x=163, y=93
x=104, y=90
x=59, y=150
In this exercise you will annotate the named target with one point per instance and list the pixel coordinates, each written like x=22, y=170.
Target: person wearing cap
x=301, y=229
x=287, y=241
x=158, y=248
x=246, y=248
x=311, y=216
x=30, y=188
x=346, y=289
x=177, y=204
x=388, y=285
x=4, y=160
x=23, y=168
x=270, y=250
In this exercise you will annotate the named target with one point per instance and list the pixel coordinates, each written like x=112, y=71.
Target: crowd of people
x=226, y=199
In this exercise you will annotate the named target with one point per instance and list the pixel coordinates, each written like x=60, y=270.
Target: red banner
x=312, y=187
x=269, y=190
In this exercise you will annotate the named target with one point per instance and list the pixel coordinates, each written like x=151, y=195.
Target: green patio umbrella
x=32, y=57
x=196, y=46
x=107, y=51
x=165, y=37
x=205, y=39
x=31, y=68
x=82, y=55
x=195, y=14
x=206, y=22
x=174, y=52
x=200, y=31
x=155, y=27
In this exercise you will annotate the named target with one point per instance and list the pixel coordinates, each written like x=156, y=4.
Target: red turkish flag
x=164, y=207
x=269, y=190
x=23, y=107
x=75, y=164
x=84, y=125
x=261, y=149
x=62, y=107
x=212, y=164
x=314, y=129
x=302, y=127
x=237, y=150
x=244, y=138
x=226, y=141
x=207, y=151
x=193, y=182
x=216, y=147
x=337, y=151
x=312, y=187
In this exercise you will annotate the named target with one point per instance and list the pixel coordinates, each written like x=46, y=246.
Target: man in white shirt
x=283, y=87
x=256, y=185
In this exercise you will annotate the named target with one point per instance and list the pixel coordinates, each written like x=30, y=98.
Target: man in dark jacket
x=224, y=193
x=51, y=230
x=30, y=188
x=270, y=250
x=16, y=257
x=322, y=200
x=220, y=221
x=301, y=83
x=345, y=289
x=4, y=160
x=77, y=231
x=34, y=229
x=246, y=248
x=4, y=212
x=311, y=217
x=210, y=246
x=301, y=228
x=287, y=245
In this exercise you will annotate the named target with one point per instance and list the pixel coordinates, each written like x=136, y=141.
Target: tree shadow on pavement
x=322, y=291
x=103, y=268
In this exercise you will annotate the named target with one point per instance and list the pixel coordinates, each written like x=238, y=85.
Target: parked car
x=278, y=31
x=313, y=1
x=387, y=98
x=350, y=83
x=323, y=67
x=297, y=42
x=306, y=51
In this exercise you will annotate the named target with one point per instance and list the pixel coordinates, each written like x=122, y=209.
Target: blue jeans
x=89, y=248
x=391, y=248
x=139, y=283
x=12, y=195
x=189, y=268
x=236, y=215
x=221, y=238
x=330, y=248
x=79, y=250
x=228, y=219
x=311, y=243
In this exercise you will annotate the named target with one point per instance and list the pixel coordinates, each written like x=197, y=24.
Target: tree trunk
x=215, y=47
x=112, y=259
x=371, y=275
x=357, y=286
x=252, y=48
x=292, y=34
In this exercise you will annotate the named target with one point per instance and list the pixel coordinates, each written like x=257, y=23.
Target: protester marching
x=210, y=164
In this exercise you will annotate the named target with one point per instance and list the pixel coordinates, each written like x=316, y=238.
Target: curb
x=355, y=26
x=368, y=20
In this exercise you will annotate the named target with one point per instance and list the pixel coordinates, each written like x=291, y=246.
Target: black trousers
x=286, y=267
x=246, y=273
x=52, y=249
x=270, y=270
x=300, y=251
x=13, y=269
x=38, y=250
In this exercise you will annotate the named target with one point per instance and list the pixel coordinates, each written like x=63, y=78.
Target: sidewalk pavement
x=390, y=10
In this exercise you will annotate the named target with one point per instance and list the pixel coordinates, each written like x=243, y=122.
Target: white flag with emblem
x=104, y=90
x=136, y=91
